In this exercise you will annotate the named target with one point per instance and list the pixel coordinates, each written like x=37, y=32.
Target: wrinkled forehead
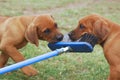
x=87, y=20
x=83, y=21
x=44, y=20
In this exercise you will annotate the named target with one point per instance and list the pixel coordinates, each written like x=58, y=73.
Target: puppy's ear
x=31, y=34
x=101, y=29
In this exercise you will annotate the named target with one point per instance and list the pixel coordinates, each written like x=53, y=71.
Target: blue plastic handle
x=32, y=60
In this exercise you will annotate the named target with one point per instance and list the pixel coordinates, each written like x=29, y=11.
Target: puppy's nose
x=59, y=37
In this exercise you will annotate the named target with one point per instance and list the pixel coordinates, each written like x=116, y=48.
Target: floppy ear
x=101, y=29
x=31, y=34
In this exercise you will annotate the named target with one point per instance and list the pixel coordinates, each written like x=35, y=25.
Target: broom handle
x=33, y=60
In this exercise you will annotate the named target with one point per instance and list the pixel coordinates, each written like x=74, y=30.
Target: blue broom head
x=85, y=44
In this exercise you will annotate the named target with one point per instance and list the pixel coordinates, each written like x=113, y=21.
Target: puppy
x=16, y=32
x=108, y=34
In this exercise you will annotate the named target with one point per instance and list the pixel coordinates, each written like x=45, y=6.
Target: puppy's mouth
x=49, y=40
x=57, y=38
x=73, y=38
x=53, y=41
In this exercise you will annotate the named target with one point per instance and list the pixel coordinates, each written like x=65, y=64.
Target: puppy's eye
x=47, y=31
x=82, y=26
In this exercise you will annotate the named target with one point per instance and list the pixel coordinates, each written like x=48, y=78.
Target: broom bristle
x=90, y=38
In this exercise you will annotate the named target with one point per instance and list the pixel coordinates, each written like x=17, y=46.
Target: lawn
x=69, y=66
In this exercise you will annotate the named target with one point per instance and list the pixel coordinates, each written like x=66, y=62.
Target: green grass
x=69, y=66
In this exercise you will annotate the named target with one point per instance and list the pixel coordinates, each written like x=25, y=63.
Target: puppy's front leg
x=3, y=59
x=17, y=57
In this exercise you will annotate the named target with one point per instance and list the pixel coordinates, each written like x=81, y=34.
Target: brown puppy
x=108, y=34
x=15, y=32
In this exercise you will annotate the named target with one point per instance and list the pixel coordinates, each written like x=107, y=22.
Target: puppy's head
x=93, y=24
x=43, y=27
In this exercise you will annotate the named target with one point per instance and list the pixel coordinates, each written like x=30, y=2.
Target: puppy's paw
x=29, y=71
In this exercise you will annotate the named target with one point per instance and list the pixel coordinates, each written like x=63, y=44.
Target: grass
x=73, y=66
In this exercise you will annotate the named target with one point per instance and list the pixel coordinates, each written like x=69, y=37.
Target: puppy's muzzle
x=59, y=37
x=71, y=34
